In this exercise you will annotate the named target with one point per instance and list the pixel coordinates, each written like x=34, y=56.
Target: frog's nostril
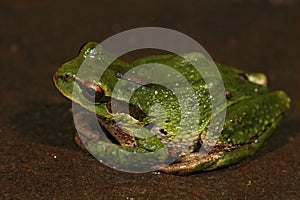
x=228, y=94
x=163, y=131
x=67, y=75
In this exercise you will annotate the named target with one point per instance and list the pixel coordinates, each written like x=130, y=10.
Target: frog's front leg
x=85, y=130
x=88, y=130
x=123, y=136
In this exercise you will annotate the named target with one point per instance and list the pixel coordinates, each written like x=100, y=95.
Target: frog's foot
x=79, y=142
x=89, y=131
x=192, y=162
x=86, y=132
x=82, y=138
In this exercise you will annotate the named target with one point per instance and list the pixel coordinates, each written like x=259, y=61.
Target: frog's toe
x=79, y=142
x=191, y=163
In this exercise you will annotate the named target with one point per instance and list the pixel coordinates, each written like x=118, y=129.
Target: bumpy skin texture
x=252, y=111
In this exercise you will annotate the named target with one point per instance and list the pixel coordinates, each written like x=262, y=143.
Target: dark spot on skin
x=198, y=144
x=244, y=76
x=228, y=94
x=119, y=74
x=163, y=131
x=239, y=120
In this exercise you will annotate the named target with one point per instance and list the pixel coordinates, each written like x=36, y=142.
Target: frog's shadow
x=50, y=124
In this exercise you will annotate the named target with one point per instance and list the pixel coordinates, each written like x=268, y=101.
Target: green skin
x=252, y=112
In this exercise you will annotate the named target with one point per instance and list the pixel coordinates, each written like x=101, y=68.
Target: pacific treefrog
x=252, y=112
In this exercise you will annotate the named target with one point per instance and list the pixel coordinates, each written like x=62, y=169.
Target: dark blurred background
x=38, y=156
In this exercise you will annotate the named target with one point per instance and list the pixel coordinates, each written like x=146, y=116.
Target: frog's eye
x=92, y=91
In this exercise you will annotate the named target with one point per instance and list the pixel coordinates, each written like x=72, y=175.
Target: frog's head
x=65, y=78
x=92, y=93
x=88, y=93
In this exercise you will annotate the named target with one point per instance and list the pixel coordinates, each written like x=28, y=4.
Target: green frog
x=139, y=116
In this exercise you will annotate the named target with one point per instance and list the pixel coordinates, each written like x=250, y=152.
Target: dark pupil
x=91, y=91
x=67, y=76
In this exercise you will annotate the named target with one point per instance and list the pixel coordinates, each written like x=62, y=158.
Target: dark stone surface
x=38, y=156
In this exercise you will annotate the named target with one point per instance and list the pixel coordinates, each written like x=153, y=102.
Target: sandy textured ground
x=39, y=159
